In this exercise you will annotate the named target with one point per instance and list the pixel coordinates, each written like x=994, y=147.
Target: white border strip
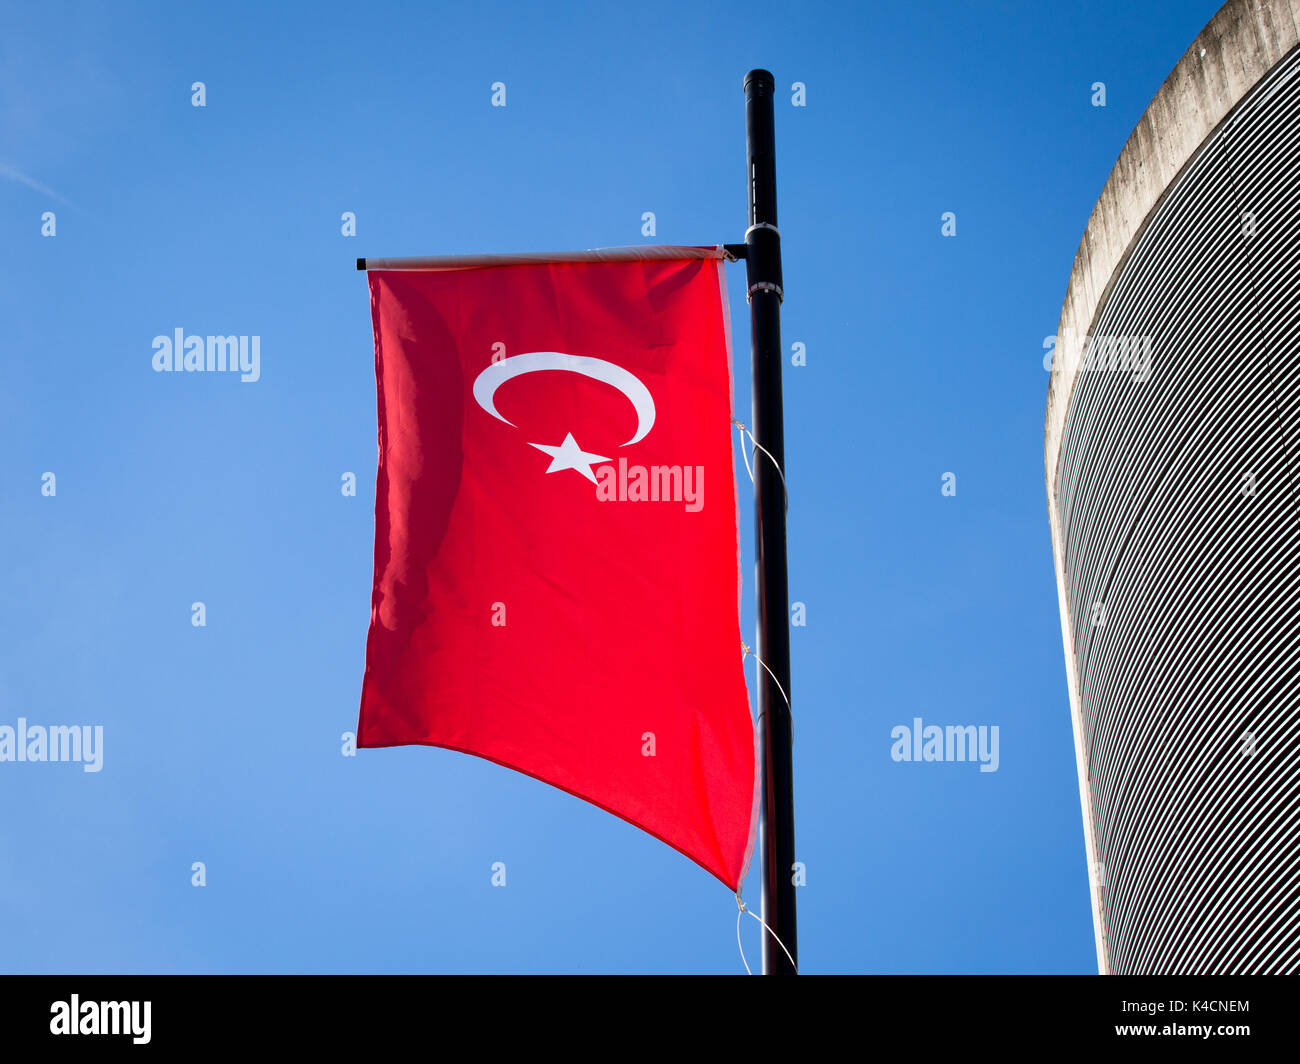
x=756, y=805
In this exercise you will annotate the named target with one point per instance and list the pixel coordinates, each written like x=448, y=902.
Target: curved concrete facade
x=1170, y=461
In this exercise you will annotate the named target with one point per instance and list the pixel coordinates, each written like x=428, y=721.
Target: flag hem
x=559, y=787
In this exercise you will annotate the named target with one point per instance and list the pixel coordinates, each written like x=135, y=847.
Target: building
x=1173, y=484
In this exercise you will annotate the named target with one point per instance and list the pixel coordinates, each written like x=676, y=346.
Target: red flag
x=556, y=552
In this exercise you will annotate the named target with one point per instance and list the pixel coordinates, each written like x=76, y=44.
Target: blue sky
x=924, y=356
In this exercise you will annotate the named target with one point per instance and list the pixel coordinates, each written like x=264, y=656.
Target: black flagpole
x=763, y=273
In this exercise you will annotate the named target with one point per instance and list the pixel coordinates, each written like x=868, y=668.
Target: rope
x=741, y=906
x=745, y=647
x=745, y=432
x=743, y=455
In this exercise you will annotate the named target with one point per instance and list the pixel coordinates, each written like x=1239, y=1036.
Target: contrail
x=12, y=173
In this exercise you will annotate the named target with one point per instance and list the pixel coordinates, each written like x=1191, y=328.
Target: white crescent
x=487, y=382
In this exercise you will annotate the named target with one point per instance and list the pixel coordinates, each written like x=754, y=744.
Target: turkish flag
x=556, y=552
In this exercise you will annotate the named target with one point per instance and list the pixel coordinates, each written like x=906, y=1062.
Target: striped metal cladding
x=1179, y=501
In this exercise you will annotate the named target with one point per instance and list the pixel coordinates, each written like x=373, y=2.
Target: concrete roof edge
x=1242, y=42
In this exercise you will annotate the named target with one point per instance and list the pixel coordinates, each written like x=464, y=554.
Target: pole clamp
x=762, y=225
x=764, y=286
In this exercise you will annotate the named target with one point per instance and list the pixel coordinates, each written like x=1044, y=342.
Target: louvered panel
x=1177, y=498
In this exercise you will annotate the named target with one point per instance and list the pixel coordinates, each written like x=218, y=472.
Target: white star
x=569, y=455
